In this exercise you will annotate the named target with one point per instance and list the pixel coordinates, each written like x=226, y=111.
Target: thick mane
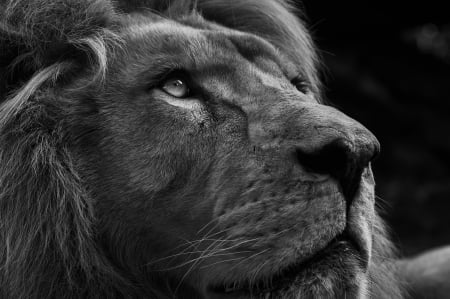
x=46, y=215
x=47, y=239
x=44, y=31
x=41, y=40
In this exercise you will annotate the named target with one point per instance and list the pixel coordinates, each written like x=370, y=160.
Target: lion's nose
x=319, y=137
x=341, y=158
x=332, y=143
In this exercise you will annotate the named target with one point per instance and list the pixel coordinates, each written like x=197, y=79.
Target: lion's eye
x=176, y=87
x=301, y=84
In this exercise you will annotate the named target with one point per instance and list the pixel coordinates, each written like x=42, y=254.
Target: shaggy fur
x=65, y=226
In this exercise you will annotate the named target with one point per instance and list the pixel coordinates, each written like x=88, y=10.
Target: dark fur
x=48, y=241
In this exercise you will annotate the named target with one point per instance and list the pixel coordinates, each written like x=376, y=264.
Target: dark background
x=389, y=67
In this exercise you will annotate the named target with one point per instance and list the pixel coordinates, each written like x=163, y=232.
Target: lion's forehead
x=222, y=60
x=200, y=40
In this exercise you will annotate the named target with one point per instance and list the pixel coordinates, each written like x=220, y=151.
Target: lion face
x=217, y=170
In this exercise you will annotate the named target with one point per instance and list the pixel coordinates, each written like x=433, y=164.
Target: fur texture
x=109, y=190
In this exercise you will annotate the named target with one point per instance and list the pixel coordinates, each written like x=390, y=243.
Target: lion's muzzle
x=320, y=138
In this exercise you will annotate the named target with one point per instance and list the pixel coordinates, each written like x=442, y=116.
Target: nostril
x=339, y=159
x=330, y=159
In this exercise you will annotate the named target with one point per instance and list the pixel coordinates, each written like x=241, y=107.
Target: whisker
x=255, y=274
x=202, y=256
x=193, y=260
x=249, y=257
x=224, y=261
x=206, y=225
x=213, y=252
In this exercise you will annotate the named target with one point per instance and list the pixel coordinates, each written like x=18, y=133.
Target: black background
x=389, y=67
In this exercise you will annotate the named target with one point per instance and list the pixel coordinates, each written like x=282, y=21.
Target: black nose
x=341, y=158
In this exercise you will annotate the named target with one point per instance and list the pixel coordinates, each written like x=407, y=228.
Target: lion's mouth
x=341, y=247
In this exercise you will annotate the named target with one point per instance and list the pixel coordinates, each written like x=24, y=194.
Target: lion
x=179, y=149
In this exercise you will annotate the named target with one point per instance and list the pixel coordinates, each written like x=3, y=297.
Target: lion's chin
x=334, y=272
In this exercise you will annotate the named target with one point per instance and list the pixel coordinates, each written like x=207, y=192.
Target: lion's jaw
x=255, y=190
x=289, y=238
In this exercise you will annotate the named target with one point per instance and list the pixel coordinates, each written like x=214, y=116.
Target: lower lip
x=340, y=246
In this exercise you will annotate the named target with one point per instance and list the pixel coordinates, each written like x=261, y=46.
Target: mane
x=46, y=216
x=384, y=279
x=48, y=245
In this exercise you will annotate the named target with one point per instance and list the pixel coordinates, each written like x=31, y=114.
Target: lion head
x=158, y=150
